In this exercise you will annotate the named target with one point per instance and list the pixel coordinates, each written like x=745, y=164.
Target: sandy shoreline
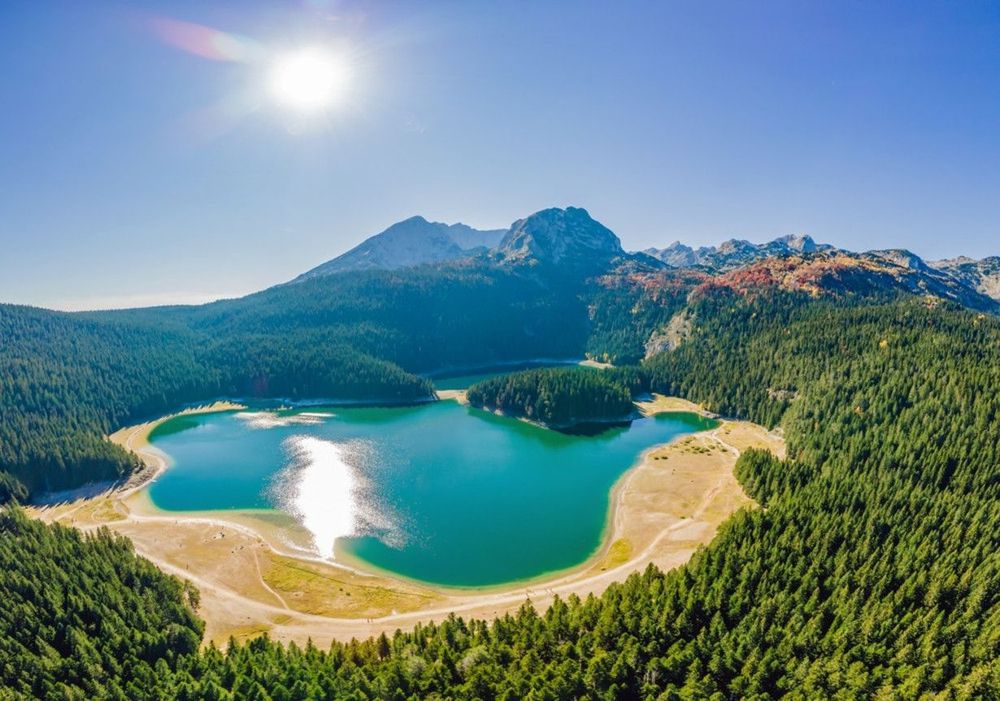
x=254, y=578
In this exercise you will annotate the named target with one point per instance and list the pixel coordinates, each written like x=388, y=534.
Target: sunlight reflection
x=269, y=419
x=321, y=490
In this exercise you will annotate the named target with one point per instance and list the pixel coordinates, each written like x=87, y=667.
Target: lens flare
x=206, y=42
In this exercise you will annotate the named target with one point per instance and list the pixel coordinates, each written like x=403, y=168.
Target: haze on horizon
x=150, y=156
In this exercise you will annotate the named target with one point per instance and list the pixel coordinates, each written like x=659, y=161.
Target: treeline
x=872, y=572
x=66, y=382
x=558, y=397
x=744, y=361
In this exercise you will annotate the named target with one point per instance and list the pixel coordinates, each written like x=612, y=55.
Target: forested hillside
x=65, y=382
x=872, y=572
x=627, y=305
x=422, y=319
x=83, y=617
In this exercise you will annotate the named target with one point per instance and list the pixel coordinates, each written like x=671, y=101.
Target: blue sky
x=135, y=172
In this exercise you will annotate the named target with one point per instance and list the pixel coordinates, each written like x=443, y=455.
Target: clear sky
x=144, y=159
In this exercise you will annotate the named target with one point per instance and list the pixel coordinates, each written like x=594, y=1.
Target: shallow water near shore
x=441, y=493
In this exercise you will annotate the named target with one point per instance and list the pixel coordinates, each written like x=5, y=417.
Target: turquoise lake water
x=440, y=492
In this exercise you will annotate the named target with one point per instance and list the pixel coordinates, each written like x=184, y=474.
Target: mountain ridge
x=974, y=283
x=572, y=240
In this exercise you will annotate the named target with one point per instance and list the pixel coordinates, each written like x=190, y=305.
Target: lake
x=441, y=492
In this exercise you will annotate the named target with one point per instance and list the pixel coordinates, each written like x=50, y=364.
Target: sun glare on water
x=308, y=80
x=323, y=489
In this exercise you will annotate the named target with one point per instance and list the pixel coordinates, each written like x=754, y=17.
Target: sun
x=308, y=80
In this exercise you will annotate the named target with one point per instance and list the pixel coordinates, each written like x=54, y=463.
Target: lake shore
x=255, y=577
x=136, y=439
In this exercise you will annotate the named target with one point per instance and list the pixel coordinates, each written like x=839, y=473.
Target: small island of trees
x=556, y=397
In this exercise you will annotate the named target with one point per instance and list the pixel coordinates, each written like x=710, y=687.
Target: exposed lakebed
x=441, y=492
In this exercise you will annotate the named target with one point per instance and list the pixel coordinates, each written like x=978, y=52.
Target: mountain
x=802, y=244
x=565, y=237
x=840, y=274
x=569, y=238
x=469, y=239
x=572, y=241
x=413, y=241
x=981, y=275
x=677, y=255
x=733, y=253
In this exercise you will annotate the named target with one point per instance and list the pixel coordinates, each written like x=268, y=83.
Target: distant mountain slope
x=413, y=241
x=469, y=239
x=798, y=262
x=981, y=275
x=841, y=273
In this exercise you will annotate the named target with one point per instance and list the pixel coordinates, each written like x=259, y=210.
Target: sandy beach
x=255, y=573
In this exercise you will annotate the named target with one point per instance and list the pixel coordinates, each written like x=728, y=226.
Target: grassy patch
x=318, y=590
x=618, y=554
x=242, y=634
x=104, y=511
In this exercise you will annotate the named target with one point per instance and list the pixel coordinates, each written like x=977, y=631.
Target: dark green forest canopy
x=84, y=616
x=873, y=571
x=555, y=396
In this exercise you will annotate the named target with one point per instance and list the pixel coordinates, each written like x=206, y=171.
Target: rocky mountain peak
x=981, y=275
x=560, y=237
x=676, y=255
x=902, y=258
x=735, y=252
x=735, y=246
x=802, y=243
